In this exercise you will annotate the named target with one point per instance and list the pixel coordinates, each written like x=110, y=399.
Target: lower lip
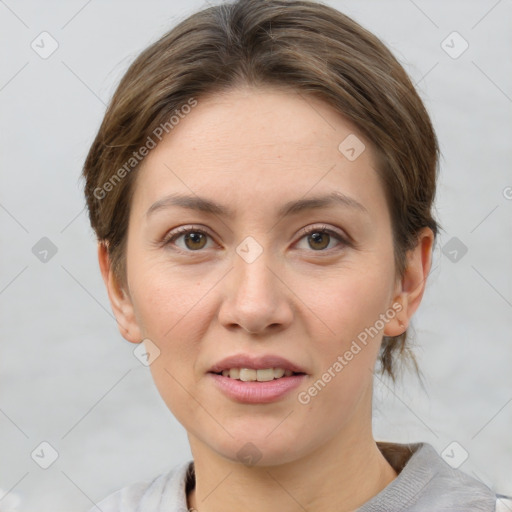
x=257, y=392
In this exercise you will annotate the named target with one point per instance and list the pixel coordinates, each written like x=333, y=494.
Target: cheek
x=163, y=296
x=173, y=309
x=353, y=301
x=347, y=354
x=169, y=317
x=170, y=308
x=352, y=307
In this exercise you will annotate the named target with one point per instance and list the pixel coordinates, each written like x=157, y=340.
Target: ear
x=409, y=290
x=120, y=300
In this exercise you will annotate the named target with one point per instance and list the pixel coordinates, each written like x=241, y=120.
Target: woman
x=261, y=188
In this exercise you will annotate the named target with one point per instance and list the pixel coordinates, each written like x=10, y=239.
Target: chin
x=256, y=447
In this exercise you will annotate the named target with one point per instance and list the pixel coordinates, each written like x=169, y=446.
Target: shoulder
x=453, y=486
x=426, y=481
x=165, y=492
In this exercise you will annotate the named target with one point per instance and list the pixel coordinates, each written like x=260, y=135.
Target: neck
x=340, y=476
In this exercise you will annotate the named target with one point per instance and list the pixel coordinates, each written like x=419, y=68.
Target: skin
x=253, y=150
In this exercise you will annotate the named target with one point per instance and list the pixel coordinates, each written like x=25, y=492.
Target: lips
x=256, y=363
x=247, y=379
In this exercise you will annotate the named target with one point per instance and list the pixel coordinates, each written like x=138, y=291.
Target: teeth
x=246, y=374
x=251, y=375
x=278, y=373
x=265, y=375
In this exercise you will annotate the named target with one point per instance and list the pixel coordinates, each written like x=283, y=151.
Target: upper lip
x=255, y=362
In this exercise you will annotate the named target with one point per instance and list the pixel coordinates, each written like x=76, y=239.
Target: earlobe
x=120, y=301
x=398, y=314
x=412, y=284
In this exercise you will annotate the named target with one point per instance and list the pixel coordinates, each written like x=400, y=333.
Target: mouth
x=256, y=368
x=256, y=379
x=247, y=389
x=257, y=375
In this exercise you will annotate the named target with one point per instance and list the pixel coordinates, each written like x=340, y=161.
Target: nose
x=256, y=297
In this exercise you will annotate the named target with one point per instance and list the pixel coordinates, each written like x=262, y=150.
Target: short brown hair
x=307, y=46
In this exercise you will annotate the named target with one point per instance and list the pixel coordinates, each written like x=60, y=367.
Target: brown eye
x=194, y=239
x=319, y=239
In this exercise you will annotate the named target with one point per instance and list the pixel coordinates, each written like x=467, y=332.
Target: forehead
x=256, y=146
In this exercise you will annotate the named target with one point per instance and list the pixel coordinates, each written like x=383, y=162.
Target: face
x=253, y=277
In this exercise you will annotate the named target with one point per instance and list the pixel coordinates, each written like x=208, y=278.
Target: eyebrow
x=292, y=207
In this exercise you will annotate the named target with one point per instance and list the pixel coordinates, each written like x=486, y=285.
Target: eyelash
x=323, y=229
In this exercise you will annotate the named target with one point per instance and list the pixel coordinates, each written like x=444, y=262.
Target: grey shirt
x=425, y=483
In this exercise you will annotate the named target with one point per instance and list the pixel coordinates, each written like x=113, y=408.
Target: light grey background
x=67, y=377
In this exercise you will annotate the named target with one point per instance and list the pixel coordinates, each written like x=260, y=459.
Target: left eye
x=319, y=236
x=195, y=238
